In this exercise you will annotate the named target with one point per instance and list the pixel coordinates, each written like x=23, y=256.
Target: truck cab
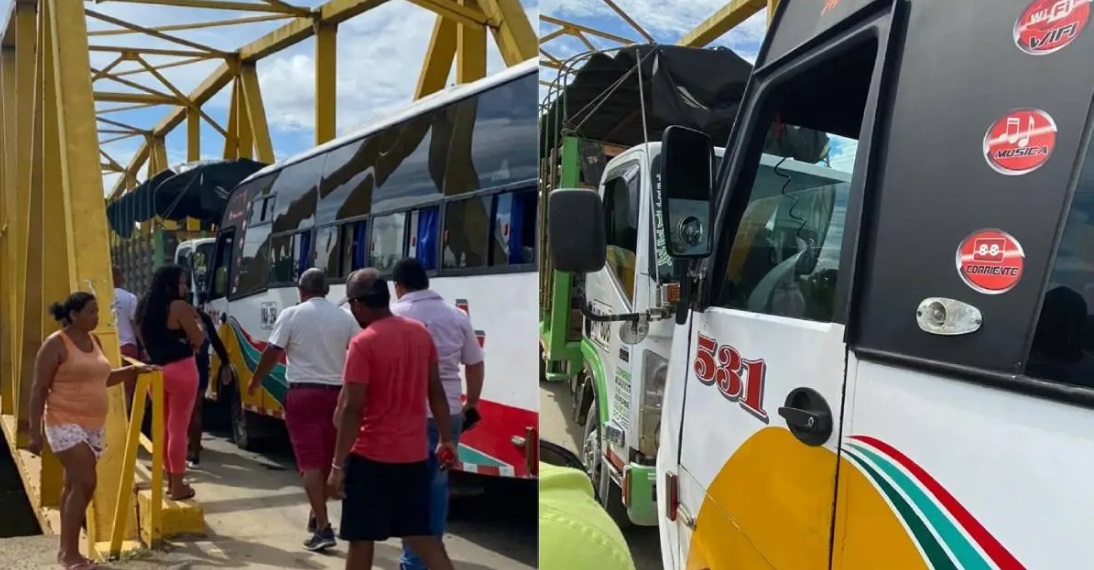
x=866, y=373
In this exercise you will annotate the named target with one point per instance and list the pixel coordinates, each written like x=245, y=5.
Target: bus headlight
x=655, y=370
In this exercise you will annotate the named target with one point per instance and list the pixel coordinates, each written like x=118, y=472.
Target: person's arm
x=351, y=401
x=438, y=400
x=214, y=336
x=474, y=365
x=183, y=313
x=50, y=356
x=125, y=373
x=279, y=339
x=130, y=313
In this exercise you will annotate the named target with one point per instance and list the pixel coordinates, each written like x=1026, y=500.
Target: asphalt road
x=255, y=512
x=555, y=426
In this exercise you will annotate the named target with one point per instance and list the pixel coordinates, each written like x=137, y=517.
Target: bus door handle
x=807, y=416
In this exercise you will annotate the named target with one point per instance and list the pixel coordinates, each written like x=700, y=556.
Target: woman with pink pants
x=171, y=333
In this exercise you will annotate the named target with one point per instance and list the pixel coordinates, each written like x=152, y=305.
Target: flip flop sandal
x=188, y=494
x=81, y=565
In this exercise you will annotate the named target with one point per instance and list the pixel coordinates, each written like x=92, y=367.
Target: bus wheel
x=241, y=421
x=592, y=454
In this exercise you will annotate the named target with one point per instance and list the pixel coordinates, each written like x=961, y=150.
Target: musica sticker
x=1048, y=26
x=1020, y=142
x=990, y=261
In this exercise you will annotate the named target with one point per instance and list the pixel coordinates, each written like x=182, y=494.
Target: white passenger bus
x=450, y=180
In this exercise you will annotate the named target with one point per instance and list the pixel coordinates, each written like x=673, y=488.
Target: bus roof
x=423, y=105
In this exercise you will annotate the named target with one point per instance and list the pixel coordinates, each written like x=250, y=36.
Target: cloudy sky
x=379, y=56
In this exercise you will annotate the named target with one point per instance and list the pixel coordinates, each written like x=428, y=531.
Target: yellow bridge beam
x=725, y=19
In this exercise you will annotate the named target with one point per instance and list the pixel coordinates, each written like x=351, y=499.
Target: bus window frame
x=221, y=237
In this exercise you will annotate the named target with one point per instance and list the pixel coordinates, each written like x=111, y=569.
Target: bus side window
x=423, y=235
x=387, y=242
x=1063, y=342
x=301, y=253
x=514, y=229
x=327, y=251
x=354, y=246
x=466, y=233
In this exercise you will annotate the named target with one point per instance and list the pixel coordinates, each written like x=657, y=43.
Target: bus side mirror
x=575, y=230
x=685, y=192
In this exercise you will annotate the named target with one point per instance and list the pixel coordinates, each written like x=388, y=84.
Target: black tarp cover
x=692, y=87
x=699, y=88
x=196, y=190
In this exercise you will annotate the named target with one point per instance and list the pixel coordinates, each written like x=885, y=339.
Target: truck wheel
x=241, y=420
x=608, y=493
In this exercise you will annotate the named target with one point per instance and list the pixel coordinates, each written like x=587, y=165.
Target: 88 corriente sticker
x=990, y=261
x=1020, y=142
x=1048, y=26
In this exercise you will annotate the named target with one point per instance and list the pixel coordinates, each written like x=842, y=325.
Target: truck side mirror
x=686, y=192
x=575, y=230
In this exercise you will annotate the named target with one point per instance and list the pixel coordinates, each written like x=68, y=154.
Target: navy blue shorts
x=384, y=500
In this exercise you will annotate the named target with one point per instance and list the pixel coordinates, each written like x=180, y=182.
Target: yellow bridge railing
x=151, y=528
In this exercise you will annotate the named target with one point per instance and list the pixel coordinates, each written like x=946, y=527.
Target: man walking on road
x=456, y=344
x=314, y=336
x=125, y=315
x=381, y=462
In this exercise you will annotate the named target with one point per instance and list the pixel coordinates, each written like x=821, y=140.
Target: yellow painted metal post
x=86, y=228
x=438, y=58
x=31, y=327
x=771, y=5
x=514, y=34
x=193, y=149
x=231, y=140
x=326, y=82
x=256, y=112
x=471, y=57
x=54, y=277
x=243, y=122
x=7, y=185
x=26, y=32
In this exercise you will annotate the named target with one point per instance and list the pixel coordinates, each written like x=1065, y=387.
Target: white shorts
x=66, y=436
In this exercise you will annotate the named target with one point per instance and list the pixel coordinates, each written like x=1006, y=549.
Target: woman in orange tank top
x=68, y=404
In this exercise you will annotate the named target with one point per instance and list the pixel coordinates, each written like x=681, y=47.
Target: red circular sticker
x=1048, y=26
x=1020, y=142
x=990, y=261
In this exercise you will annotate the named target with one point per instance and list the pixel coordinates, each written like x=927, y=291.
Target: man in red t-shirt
x=381, y=467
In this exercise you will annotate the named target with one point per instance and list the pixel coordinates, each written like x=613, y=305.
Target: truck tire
x=608, y=494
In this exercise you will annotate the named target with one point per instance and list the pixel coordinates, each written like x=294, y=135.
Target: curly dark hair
x=152, y=308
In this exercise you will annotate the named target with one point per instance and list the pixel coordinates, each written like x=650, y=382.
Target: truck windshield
x=1063, y=344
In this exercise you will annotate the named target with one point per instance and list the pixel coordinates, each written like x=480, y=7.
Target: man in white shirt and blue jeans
x=456, y=344
x=314, y=335
x=125, y=317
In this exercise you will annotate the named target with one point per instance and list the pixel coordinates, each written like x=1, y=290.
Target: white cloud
x=659, y=19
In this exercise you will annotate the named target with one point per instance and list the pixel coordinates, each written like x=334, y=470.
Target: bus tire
x=241, y=420
x=608, y=494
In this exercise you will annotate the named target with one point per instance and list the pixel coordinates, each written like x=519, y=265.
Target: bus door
x=217, y=288
x=970, y=439
x=611, y=292
x=764, y=390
